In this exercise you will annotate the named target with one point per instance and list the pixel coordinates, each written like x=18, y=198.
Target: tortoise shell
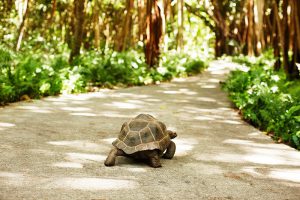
x=141, y=133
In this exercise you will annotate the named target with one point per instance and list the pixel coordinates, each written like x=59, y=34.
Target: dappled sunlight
x=84, y=114
x=255, y=134
x=129, y=95
x=76, y=109
x=179, y=91
x=78, y=144
x=285, y=174
x=217, y=119
x=206, y=99
x=84, y=157
x=222, y=67
x=122, y=105
x=271, y=156
x=92, y=183
x=229, y=122
x=136, y=169
x=213, y=80
x=221, y=157
x=114, y=114
x=36, y=109
x=108, y=140
x=184, y=146
x=251, y=143
x=6, y=125
x=258, y=153
x=68, y=165
x=12, y=178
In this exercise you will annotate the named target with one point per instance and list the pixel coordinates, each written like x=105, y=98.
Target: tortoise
x=143, y=138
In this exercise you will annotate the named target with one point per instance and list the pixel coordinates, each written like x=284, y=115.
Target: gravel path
x=54, y=148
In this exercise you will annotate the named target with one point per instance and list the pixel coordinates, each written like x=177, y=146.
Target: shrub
x=267, y=99
x=36, y=74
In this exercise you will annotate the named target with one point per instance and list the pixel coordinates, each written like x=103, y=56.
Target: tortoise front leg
x=170, y=151
x=111, y=158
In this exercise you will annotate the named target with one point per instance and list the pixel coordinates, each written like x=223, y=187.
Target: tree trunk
x=221, y=31
x=125, y=35
x=78, y=26
x=180, y=25
x=295, y=20
x=153, y=33
x=96, y=24
x=275, y=34
x=258, y=18
x=22, y=27
x=285, y=37
x=250, y=35
x=141, y=19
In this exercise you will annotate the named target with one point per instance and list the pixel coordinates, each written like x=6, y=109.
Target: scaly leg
x=170, y=151
x=111, y=158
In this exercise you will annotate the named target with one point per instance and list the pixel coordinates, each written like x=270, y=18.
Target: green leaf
x=292, y=110
x=297, y=119
x=296, y=140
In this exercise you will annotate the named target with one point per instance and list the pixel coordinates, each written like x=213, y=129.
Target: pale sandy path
x=54, y=148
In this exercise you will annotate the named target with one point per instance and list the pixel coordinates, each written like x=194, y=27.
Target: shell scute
x=137, y=125
x=146, y=135
x=132, y=139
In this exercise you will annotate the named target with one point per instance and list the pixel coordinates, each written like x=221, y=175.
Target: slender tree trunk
x=78, y=26
x=180, y=25
x=125, y=35
x=285, y=36
x=153, y=33
x=141, y=19
x=250, y=35
x=221, y=31
x=22, y=26
x=295, y=20
x=275, y=34
x=96, y=24
x=167, y=18
x=259, y=13
x=52, y=12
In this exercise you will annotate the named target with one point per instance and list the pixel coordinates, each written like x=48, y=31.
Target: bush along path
x=34, y=75
x=54, y=148
x=267, y=99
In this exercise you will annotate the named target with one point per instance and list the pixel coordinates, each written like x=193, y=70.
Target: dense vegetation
x=266, y=98
x=37, y=75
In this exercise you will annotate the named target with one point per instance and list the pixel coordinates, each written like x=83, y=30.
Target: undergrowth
x=37, y=74
x=266, y=98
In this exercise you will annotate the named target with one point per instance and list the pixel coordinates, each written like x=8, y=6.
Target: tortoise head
x=172, y=134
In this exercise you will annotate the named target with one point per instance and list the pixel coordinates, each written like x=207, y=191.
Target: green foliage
x=37, y=74
x=266, y=98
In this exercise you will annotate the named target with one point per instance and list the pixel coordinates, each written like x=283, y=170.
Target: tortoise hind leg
x=170, y=151
x=111, y=158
